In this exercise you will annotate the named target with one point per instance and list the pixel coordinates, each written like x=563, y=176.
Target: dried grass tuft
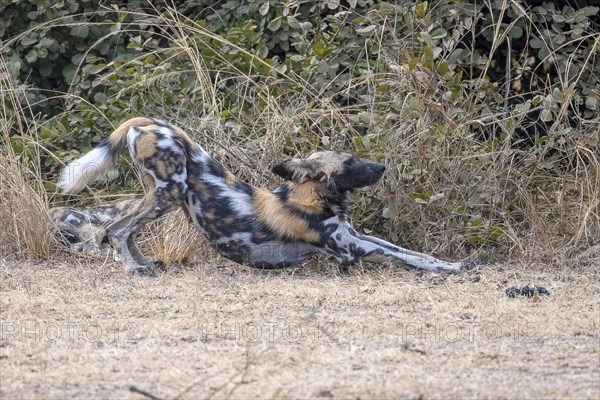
x=172, y=239
x=26, y=228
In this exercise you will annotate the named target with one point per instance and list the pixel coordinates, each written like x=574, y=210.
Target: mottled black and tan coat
x=268, y=229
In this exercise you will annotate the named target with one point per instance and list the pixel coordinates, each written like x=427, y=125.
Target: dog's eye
x=349, y=161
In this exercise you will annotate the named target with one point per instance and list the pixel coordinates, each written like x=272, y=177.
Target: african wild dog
x=268, y=229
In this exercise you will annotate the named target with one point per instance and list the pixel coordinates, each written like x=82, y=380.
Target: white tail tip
x=79, y=173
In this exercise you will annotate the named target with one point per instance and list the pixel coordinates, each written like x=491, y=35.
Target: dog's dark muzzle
x=369, y=174
x=360, y=174
x=377, y=170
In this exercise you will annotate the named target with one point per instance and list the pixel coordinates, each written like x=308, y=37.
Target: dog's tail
x=79, y=173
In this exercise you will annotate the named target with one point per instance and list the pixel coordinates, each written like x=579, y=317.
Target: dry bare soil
x=80, y=328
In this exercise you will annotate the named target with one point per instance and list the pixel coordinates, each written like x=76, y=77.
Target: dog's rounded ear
x=298, y=170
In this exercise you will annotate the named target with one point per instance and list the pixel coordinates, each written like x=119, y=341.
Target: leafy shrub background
x=486, y=112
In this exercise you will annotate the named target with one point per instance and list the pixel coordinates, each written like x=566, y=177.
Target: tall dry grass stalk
x=26, y=228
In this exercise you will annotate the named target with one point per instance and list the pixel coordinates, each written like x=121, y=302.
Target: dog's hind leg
x=121, y=232
x=135, y=251
x=161, y=164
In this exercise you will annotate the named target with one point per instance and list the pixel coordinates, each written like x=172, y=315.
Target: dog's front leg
x=384, y=251
x=354, y=246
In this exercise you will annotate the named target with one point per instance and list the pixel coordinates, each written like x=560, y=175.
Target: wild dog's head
x=341, y=171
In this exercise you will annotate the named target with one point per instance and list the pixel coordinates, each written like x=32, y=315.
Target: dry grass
x=75, y=329
x=172, y=239
x=26, y=227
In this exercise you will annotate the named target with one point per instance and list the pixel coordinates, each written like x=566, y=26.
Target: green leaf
x=515, y=32
x=293, y=22
x=546, y=115
x=333, y=4
x=17, y=145
x=29, y=39
x=421, y=9
x=413, y=63
x=31, y=56
x=94, y=69
x=589, y=11
x=14, y=68
x=321, y=49
x=591, y=102
x=45, y=133
x=443, y=68
x=422, y=198
x=536, y=43
x=477, y=222
x=456, y=55
x=45, y=69
x=366, y=31
x=264, y=8
x=497, y=232
x=438, y=33
x=366, y=142
x=390, y=211
x=274, y=24
x=463, y=208
x=428, y=52
x=104, y=47
x=306, y=25
x=50, y=186
x=47, y=42
x=68, y=72
x=543, y=53
x=81, y=31
x=557, y=94
x=100, y=98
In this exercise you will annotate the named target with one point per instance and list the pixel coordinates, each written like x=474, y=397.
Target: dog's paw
x=149, y=270
x=343, y=270
x=158, y=265
x=143, y=270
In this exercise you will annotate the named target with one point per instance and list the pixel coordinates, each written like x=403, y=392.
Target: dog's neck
x=316, y=198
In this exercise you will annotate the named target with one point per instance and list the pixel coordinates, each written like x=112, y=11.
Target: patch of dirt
x=77, y=328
